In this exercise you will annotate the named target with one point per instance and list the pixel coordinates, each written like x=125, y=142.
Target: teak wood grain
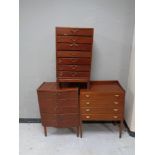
x=59, y=107
x=74, y=47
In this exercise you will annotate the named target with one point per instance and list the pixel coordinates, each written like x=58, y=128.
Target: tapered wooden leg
x=77, y=131
x=120, y=129
x=80, y=127
x=45, y=130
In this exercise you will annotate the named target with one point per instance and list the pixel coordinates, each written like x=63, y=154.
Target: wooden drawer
x=60, y=120
x=74, y=61
x=69, y=102
x=114, y=96
x=72, y=74
x=73, y=46
x=74, y=39
x=73, y=32
x=74, y=68
x=98, y=117
x=48, y=119
x=67, y=94
x=104, y=110
x=101, y=103
x=68, y=120
x=71, y=54
x=67, y=110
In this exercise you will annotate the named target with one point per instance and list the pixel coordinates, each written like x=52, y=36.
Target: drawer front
x=68, y=120
x=67, y=110
x=74, y=39
x=74, y=67
x=47, y=101
x=73, y=31
x=101, y=103
x=72, y=74
x=73, y=46
x=105, y=110
x=74, y=61
x=48, y=119
x=69, y=102
x=101, y=96
x=98, y=117
x=67, y=95
x=72, y=54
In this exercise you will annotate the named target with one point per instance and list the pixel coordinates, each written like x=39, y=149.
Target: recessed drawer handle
x=87, y=103
x=87, y=95
x=87, y=109
x=115, y=110
x=115, y=116
x=116, y=95
x=116, y=103
x=87, y=116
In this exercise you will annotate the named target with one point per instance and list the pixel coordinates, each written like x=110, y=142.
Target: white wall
x=130, y=92
x=112, y=20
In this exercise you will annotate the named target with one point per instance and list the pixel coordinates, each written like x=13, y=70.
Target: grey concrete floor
x=98, y=139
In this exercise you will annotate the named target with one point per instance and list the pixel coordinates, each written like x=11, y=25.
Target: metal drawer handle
x=74, y=40
x=74, y=67
x=87, y=103
x=116, y=103
x=115, y=116
x=87, y=116
x=74, y=31
x=87, y=95
x=65, y=34
x=87, y=109
x=115, y=110
x=71, y=45
x=117, y=95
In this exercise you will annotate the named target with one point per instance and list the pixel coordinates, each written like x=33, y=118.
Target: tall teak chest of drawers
x=58, y=107
x=73, y=54
x=104, y=101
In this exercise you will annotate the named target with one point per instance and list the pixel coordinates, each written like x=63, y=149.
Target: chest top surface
x=104, y=87
x=52, y=86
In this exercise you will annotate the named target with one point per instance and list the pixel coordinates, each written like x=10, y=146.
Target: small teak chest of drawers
x=73, y=54
x=104, y=101
x=58, y=107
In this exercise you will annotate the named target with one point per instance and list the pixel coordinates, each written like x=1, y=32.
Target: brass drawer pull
x=87, y=116
x=74, y=40
x=74, y=67
x=87, y=95
x=87, y=109
x=115, y=116
x=71, y=45
x=116, y=95
x=116, y=103
x=87, y=103
x=74, y=31
x=115, y=110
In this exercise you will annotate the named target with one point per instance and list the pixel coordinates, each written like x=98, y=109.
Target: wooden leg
x=120, y=129
x=45, y=130
x=77, y=131
x=80, y=127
